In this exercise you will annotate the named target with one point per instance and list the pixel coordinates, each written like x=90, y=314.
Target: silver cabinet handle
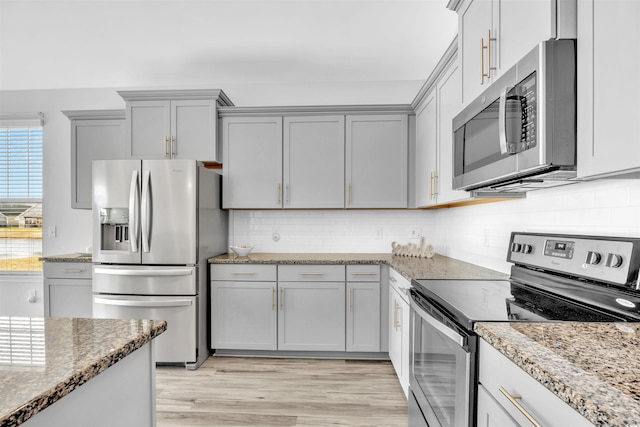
x=513, y=399
x=243, y=273
x=396, y=323
x=351, y=300
x=279, y=193
x=404, y=290
x=312, y=274
x=349, y=194
x=281, y=299
x=173, y=146
x=273, y=298
x=392, y=279
x=166, y=147
x=72, y=270
x=364, y=274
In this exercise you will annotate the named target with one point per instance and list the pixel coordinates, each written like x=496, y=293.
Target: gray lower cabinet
x=243, y=307
x=308, y=307
x=311, y=312
x=67, y=289
x=363, y=308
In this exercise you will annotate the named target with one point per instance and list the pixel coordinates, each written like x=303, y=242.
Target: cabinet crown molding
x=311, y=110
x=94, y=114
x=150, y=95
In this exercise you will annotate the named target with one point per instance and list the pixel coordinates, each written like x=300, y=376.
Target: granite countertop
x=593, y=367
x=76, y=257
x=437, y=268
x=44, y=359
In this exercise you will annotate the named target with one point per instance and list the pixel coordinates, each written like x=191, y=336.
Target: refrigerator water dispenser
x=114, y=228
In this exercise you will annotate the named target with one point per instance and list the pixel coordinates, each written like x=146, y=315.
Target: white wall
x=608, y=207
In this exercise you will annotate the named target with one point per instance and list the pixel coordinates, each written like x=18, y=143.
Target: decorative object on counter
x=241, y=250
x=413, y=250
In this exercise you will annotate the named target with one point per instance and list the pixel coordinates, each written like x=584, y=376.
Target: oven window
x=441, y=373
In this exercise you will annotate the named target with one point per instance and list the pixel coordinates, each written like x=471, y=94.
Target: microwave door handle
x=134, y=217
x=502, y=121
x=145, y=211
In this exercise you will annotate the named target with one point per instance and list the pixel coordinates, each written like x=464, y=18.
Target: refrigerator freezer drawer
x=145, y=280
x=178, y=343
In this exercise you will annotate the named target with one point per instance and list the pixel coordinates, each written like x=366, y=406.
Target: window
x=21, y=192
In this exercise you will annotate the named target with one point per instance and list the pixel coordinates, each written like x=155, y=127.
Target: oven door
x=442, y=368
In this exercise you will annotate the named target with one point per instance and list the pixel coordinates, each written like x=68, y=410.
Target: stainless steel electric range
x=553, y=278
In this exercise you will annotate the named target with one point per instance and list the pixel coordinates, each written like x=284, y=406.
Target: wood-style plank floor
x=231, y=391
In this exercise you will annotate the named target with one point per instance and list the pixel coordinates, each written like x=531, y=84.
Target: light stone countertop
x=593, y=367
x=76, y=257
x=438, y=267
x=58, y=355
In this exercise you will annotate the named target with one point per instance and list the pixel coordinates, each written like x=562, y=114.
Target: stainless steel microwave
x=520, y=133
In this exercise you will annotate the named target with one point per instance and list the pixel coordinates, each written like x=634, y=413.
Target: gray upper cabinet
x=376, y=161
x=314, y=162
x=252, y=162
x=609, y=105
x=95, y=135
x=172, y=124
x=494, y=34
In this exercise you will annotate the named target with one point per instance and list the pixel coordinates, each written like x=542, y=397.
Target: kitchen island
x=592, y=367
x=77, y=371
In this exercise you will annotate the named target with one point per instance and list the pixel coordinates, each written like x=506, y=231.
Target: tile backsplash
x=477, y=233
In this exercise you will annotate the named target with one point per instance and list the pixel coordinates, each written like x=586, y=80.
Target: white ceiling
x=377, y=51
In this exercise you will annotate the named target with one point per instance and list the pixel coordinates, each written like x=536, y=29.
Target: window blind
x=21, y=161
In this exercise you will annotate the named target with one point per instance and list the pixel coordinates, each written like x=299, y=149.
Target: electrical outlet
x=379, y=233
x=275, y=235
x=51, y=231
x=416, y=233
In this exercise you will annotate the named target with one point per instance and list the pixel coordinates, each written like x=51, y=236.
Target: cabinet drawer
x=311, y=273
x=244, y=272
x=401, y=284
x=67, y=270
x=496, y=370
x=363, y=273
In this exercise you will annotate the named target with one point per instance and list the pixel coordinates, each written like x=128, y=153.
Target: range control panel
x=608, y=259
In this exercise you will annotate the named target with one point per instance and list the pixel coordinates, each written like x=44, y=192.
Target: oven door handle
x=461, y=340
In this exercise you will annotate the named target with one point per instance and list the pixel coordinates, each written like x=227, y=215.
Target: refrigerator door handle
x=139, y=303
x=149, y=273
x=145, y=211
x=134, y=217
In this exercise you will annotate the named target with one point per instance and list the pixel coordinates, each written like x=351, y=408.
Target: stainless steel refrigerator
x=155, y=224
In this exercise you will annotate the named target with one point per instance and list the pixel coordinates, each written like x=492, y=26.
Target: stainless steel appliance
x=520, y=133
x=155, y=224
x=553, y=277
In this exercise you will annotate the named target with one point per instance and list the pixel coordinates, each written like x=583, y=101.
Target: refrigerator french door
x=155, y=224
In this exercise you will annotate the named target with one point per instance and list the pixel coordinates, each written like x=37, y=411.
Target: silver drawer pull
x=72, y=270
x=312, y=274
x=392, y=279
x=364, y=274
x=404, y=290
x=513, y=399
x=243, y=273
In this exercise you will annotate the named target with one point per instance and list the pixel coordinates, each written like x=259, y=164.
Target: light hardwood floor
x=230, y=391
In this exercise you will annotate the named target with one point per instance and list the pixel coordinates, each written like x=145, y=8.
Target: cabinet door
x=22, y=297
x=399, y=338
x=194, y=129
x=252, y=158
x=311, y=316
x=490, y=412
x=69, y=298
x=475, y=23
x=92, y=140
x=363, y=316
x=449, y=99
x=148, y=129
x=376, y=161
x=243, y=315
x=314, y=162
x=426, y=151
x=609, y=103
